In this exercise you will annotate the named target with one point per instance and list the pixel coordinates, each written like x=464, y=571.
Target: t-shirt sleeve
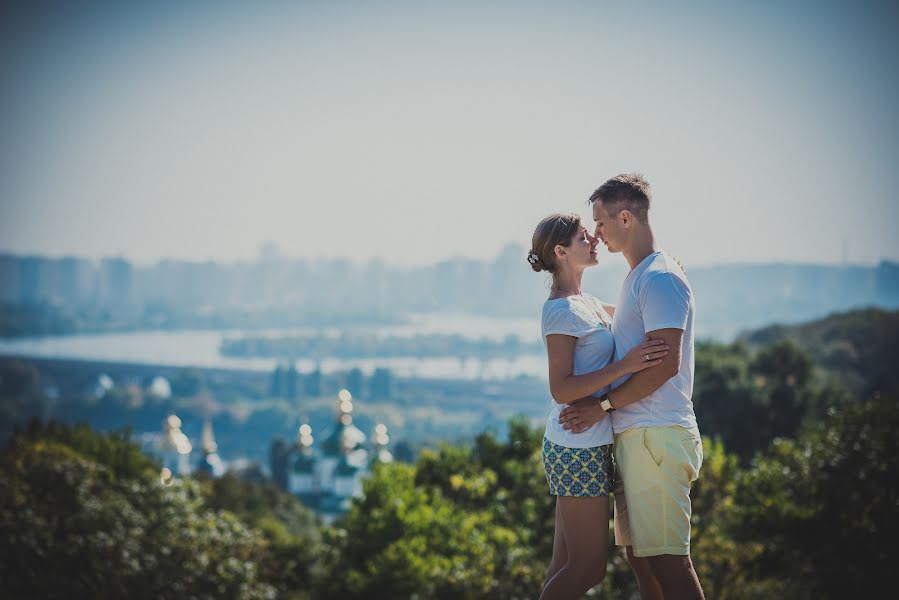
x=561, y=319
x=665, y=303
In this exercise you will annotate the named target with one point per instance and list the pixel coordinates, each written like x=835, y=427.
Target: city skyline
x=267, y=252
x=416, y=134
x=72, y=295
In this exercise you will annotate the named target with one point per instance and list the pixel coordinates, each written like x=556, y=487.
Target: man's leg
x=650, y=589
x=658, y=465
x=646, y=581
x=677, y=577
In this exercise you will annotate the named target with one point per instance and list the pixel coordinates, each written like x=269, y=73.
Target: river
x=200, y=348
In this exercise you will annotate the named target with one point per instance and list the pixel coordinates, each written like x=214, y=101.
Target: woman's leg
x=560, y=552
x=585, y=527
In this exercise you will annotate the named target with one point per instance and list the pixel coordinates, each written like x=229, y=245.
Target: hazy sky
x=418, y=131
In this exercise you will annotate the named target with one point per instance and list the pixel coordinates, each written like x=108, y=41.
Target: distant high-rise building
x=116, y=282
x=74, y=280
x=381, y=384
x=355, y=381
x=312, y=383
x=9, y=279
x=887, y=283
x=30, y=268
x=291, y=381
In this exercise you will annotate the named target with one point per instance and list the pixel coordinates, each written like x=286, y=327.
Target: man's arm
x=566, y=387
x=642, y=384
x=579, y=416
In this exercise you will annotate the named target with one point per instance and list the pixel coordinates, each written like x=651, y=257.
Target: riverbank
x=247, y=410
x=203, y=349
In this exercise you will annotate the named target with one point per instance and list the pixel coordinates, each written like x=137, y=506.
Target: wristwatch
x=606, y=404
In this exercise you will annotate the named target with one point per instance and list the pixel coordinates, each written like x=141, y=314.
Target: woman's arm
x=566, y=387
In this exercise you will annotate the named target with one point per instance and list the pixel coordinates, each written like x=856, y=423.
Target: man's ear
x=627, y=218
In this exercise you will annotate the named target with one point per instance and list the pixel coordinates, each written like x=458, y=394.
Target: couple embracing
x=622, y=419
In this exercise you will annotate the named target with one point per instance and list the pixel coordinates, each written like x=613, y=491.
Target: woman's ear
x=560, y=252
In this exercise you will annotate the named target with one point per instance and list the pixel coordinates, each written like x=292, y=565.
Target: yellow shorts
x=655, y=467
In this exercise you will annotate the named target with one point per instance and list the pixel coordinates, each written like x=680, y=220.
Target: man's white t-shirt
x=580, y=316
x=656, y=295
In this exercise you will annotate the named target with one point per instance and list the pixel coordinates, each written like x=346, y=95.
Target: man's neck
x=642, y=245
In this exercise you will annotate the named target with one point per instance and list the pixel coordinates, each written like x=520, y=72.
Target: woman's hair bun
x=535, y=261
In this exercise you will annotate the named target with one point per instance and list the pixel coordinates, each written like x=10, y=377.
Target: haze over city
x=413, y=133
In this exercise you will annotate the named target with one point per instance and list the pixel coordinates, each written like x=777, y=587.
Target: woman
x=580, y=349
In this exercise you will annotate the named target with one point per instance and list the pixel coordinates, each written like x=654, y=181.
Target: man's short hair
x=626, y=191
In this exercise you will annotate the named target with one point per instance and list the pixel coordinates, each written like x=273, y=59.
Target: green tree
x=823, y=507
x=292, y=531
x=857, y=347
x=747, y=399
x=463, y=522
x=401, y=540
x=278, y=455
x=785, y=372
x=21, y=396
x=718, y=556
x=85, y=515
x=728, y=401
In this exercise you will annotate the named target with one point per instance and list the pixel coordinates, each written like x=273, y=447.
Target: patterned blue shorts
x=578, y=471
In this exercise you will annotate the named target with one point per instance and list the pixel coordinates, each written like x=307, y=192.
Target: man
x=658, y=450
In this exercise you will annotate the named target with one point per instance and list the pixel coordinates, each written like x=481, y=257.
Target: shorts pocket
x=655, y=449
x=674, y=448
x=685, y=452
x=693, y=451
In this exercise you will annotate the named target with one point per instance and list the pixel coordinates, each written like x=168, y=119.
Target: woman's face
x=581, y=252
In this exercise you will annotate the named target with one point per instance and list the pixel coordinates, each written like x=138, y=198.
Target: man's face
x=610, y=230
